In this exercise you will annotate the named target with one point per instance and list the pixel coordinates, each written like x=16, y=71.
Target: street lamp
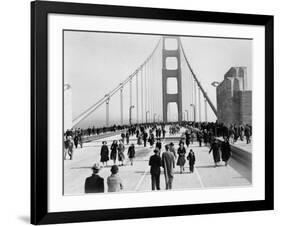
x=187, y=118
x=130, y=114
x=194, y=111
x=154, y=117
x=146, y=116
x=215, y=84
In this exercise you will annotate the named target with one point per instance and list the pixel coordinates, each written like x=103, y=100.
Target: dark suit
x=191, y=159
x=145, y=138
x=155, y=163
x=94, y=184
x=158, y=145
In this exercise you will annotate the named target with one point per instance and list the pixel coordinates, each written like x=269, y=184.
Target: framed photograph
x=146, y=112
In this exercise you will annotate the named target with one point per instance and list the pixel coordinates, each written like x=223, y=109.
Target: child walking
x=191, y=159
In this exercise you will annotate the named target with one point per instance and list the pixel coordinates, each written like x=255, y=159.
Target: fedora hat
x=96, y=167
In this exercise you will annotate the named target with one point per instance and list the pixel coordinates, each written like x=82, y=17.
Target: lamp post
x=154, y=117
x=146, y=116
x=215, y=84
x=187, y=118
x=194, y=111
x=130, y=114
x=121, y=103
x=206, y=114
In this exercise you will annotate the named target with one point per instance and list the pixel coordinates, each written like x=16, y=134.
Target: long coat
x=151, y=139
x=187, y=139
x=121, y=149
x=94, y=184
x=191, y=158
x=104, y=153
x=181, y=156
x=113, y=153
x=131, y=152
x=168, y=163
x=225, y=151
x=158, y=145
x=216, y=154
x=155, y=163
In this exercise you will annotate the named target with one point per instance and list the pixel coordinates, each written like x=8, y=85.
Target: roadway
x=137, y=177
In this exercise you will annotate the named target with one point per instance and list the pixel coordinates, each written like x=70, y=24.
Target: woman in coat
x=76, y=141
x=151, y=139
x=121, y=150
x=181, y=157
x=225, y=151
x=216, y=154
x=113, y=153
x=131, y=153
x=104, y=153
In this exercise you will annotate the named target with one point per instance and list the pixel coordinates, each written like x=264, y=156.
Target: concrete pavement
x=137, y=177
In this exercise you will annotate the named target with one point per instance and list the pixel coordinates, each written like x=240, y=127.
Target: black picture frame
x=39, y=112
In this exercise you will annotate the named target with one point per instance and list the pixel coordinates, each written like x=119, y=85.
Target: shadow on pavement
x=208, y=166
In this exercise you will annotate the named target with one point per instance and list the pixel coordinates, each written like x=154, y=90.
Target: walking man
x=144, y=138
x=127, y=137
x=155, y=163
x=94, y=183
x=168, y=163
x=158, y=145
x=191, y=159
x=247, y=133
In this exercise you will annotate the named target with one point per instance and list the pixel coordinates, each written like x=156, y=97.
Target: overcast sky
x=95, y=63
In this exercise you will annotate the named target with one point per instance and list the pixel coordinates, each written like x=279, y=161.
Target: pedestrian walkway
x=137, y=177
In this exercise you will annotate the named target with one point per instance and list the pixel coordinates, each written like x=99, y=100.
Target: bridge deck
x=137, y=177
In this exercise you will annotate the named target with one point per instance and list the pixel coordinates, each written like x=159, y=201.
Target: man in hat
x=155, y=163
x=158, y=145
x=114, y=182
x=94, y=183
x=173, y=150
x=168, y=163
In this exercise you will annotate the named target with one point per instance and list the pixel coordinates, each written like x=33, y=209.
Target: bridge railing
x=237, y=153
x=101, y=136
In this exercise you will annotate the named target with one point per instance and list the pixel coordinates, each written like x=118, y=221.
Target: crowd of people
x=72, y=138
x=202, y=132
x=233, y=132
x=205, y=134
x=151, y=134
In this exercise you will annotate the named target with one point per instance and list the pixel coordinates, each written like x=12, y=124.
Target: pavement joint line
x=199, y=178
x=141, y=180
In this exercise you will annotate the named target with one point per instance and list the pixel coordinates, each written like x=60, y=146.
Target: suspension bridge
x=144, y=88
x=180, y=98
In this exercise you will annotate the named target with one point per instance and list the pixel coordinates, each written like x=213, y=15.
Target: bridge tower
x=172, y=55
